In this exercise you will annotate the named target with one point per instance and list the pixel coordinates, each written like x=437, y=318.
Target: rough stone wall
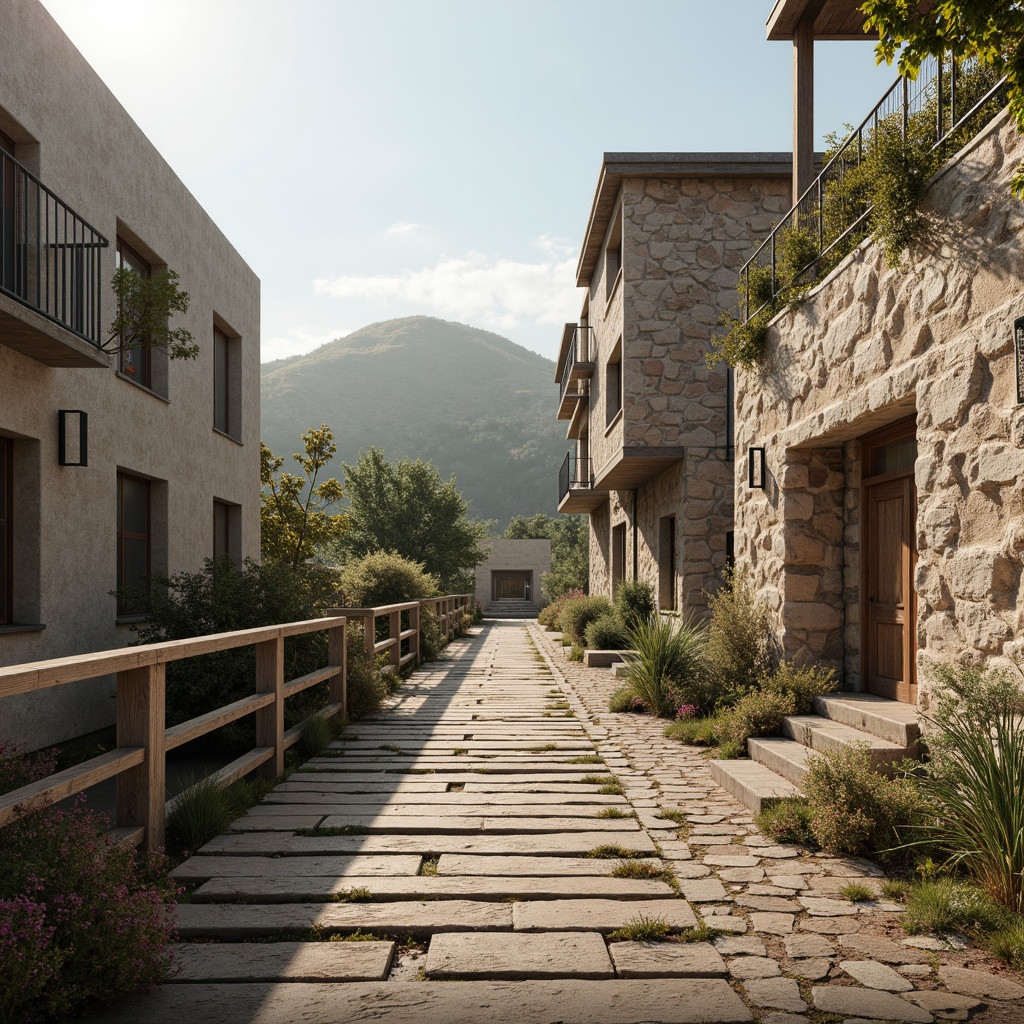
x=601, y=550
x=870, y=346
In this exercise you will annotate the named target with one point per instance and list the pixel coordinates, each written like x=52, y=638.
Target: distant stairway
x=777, y=765
x=511, y=608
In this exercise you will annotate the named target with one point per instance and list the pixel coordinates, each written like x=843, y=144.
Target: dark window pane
x=221, y=530
x=899, y=454
x=135, y=559
x=6, y=498
x=135, y=506
x=220, y=381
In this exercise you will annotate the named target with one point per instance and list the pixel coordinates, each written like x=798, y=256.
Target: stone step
x=617, y=1001
x=601, y=915
x=211, y=962
x=752, y=784
x=784, y=757
x=311, y=889
x=826, y=736
x=381, y=801
x=509, y=866
x=518, y=957
x=889, y=720
x=202, y=868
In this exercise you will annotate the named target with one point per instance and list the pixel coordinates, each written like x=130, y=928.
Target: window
x=134, y=547
x=613, y=383
x=618, y=555
x=227, y=384
x=6, y=531
x=667, y=563
x=227, y=530
x=136, y=360
x=613, y=256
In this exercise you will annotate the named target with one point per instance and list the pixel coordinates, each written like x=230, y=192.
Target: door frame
x=906, y=427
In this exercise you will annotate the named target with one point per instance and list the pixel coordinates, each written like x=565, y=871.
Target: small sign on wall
x=1018, y=353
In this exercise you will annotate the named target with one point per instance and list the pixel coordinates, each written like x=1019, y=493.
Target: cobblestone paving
x=800, y=952
x=454, y=834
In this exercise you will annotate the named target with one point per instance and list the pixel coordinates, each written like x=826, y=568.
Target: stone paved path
x=454, y=836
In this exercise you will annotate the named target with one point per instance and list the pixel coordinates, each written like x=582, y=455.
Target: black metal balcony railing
x=576, y=474
x=947, y=103
x=580, y=351
x=49, y=256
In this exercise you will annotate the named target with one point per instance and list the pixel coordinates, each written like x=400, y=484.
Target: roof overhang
x=833, y=19
x=616, y=167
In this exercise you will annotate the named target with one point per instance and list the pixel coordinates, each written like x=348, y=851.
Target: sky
x=373, y=159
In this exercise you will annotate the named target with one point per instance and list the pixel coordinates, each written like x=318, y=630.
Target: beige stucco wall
x=72, y=132
x=520, y=555
x=870, y=346
x=684, y=242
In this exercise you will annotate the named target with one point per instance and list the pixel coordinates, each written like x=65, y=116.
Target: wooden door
x=890, y=611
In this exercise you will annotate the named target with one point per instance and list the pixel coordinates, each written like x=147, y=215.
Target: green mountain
x=473, y=403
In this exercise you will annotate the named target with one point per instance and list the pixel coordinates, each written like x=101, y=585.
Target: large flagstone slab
x=283, y=961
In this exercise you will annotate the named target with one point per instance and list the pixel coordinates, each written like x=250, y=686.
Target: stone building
x=509, y=581
x=652, y=462
x=889, y=533
x=110, y=467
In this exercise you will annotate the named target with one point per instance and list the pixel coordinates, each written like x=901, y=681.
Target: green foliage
x=570, y=549
x=739, y=642
x=802, y=683
x=638, y=869
x=385, y=577
x=367, y=685
x=993, y=33
x=787, y=821
x=613, y=812
x=948, y=904
x=297, y=513
x=144, y=308
x=1007, y=943
x=222, y=597
x=758, y=713
x=895, y=889
x=606, y=633
x=317, y=733
x=634, y=602
x=975, y=779
x=406, y=508
x=432, y=640
x=576, y=615
x=667, y=663
x=205, y=809
x=612, y=851
x=857, y=892
x=641, y=928
x=551, y=615
x=624, y=700
x=697, y=730
x=856, y=811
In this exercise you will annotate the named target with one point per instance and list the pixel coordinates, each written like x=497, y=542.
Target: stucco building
x=509, y=581
x=652, y=459
x=110, y=466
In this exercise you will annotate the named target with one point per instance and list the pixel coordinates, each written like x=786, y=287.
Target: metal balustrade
x=576, y=473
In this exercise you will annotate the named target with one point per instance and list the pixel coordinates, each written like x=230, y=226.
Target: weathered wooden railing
x=448, y=610
x=138, y=762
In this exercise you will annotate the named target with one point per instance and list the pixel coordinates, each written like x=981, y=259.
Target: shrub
x=367, y=686
x=204, y=808
x=625, y=700
x=666, y=665
x=802, y=683
x=634, y=602
x=81, y=921
x=579, y=613
x=478, y=614
x=757, y=714
x=551, y=615
x=606, y=633
x=222, y=597
x=739, y=643
x=975, y=779
x=696, y=730
x=788, y=821
x=432, y=640
x=948, y=904
x=317, y=733
x=856, y=811
x=385, y=577
x=465, y=621
x=19, y=767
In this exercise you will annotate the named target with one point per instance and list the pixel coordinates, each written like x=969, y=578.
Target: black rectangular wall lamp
x=756, y=468
x=72, y=437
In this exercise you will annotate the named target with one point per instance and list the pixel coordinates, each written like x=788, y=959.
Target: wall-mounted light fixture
x=72, y=437
x=756, y=472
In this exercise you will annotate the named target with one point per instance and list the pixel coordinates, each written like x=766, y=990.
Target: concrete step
x=890, y=720
x=827, y=736
x=752, y=784
x=784, y=757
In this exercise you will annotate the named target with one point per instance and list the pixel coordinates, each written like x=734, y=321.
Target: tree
x=144, y=308
x=990, y=30
x=408, y=509
x=295, y=511
x=570, y=549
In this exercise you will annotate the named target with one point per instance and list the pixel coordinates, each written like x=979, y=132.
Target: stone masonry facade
x=684, y=238
x=871, y=346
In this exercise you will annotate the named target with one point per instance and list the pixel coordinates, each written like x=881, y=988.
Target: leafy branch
x=144, y=308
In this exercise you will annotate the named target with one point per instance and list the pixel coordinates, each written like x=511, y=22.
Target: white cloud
x=403, y=227
x=489, y=291
x=297, y=341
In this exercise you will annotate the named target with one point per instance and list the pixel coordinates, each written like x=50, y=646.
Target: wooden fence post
x=337, y=654
x=141, y=791
x=370, y=635
x=270, y=720
x=395, y=630
x=414, y=640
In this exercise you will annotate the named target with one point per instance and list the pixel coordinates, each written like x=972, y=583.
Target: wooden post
x=414, y=640
x=370, y=635
x=395, y=631
x=270, y=720
x=337, y=654
x=141, y=791
x=803, y=107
